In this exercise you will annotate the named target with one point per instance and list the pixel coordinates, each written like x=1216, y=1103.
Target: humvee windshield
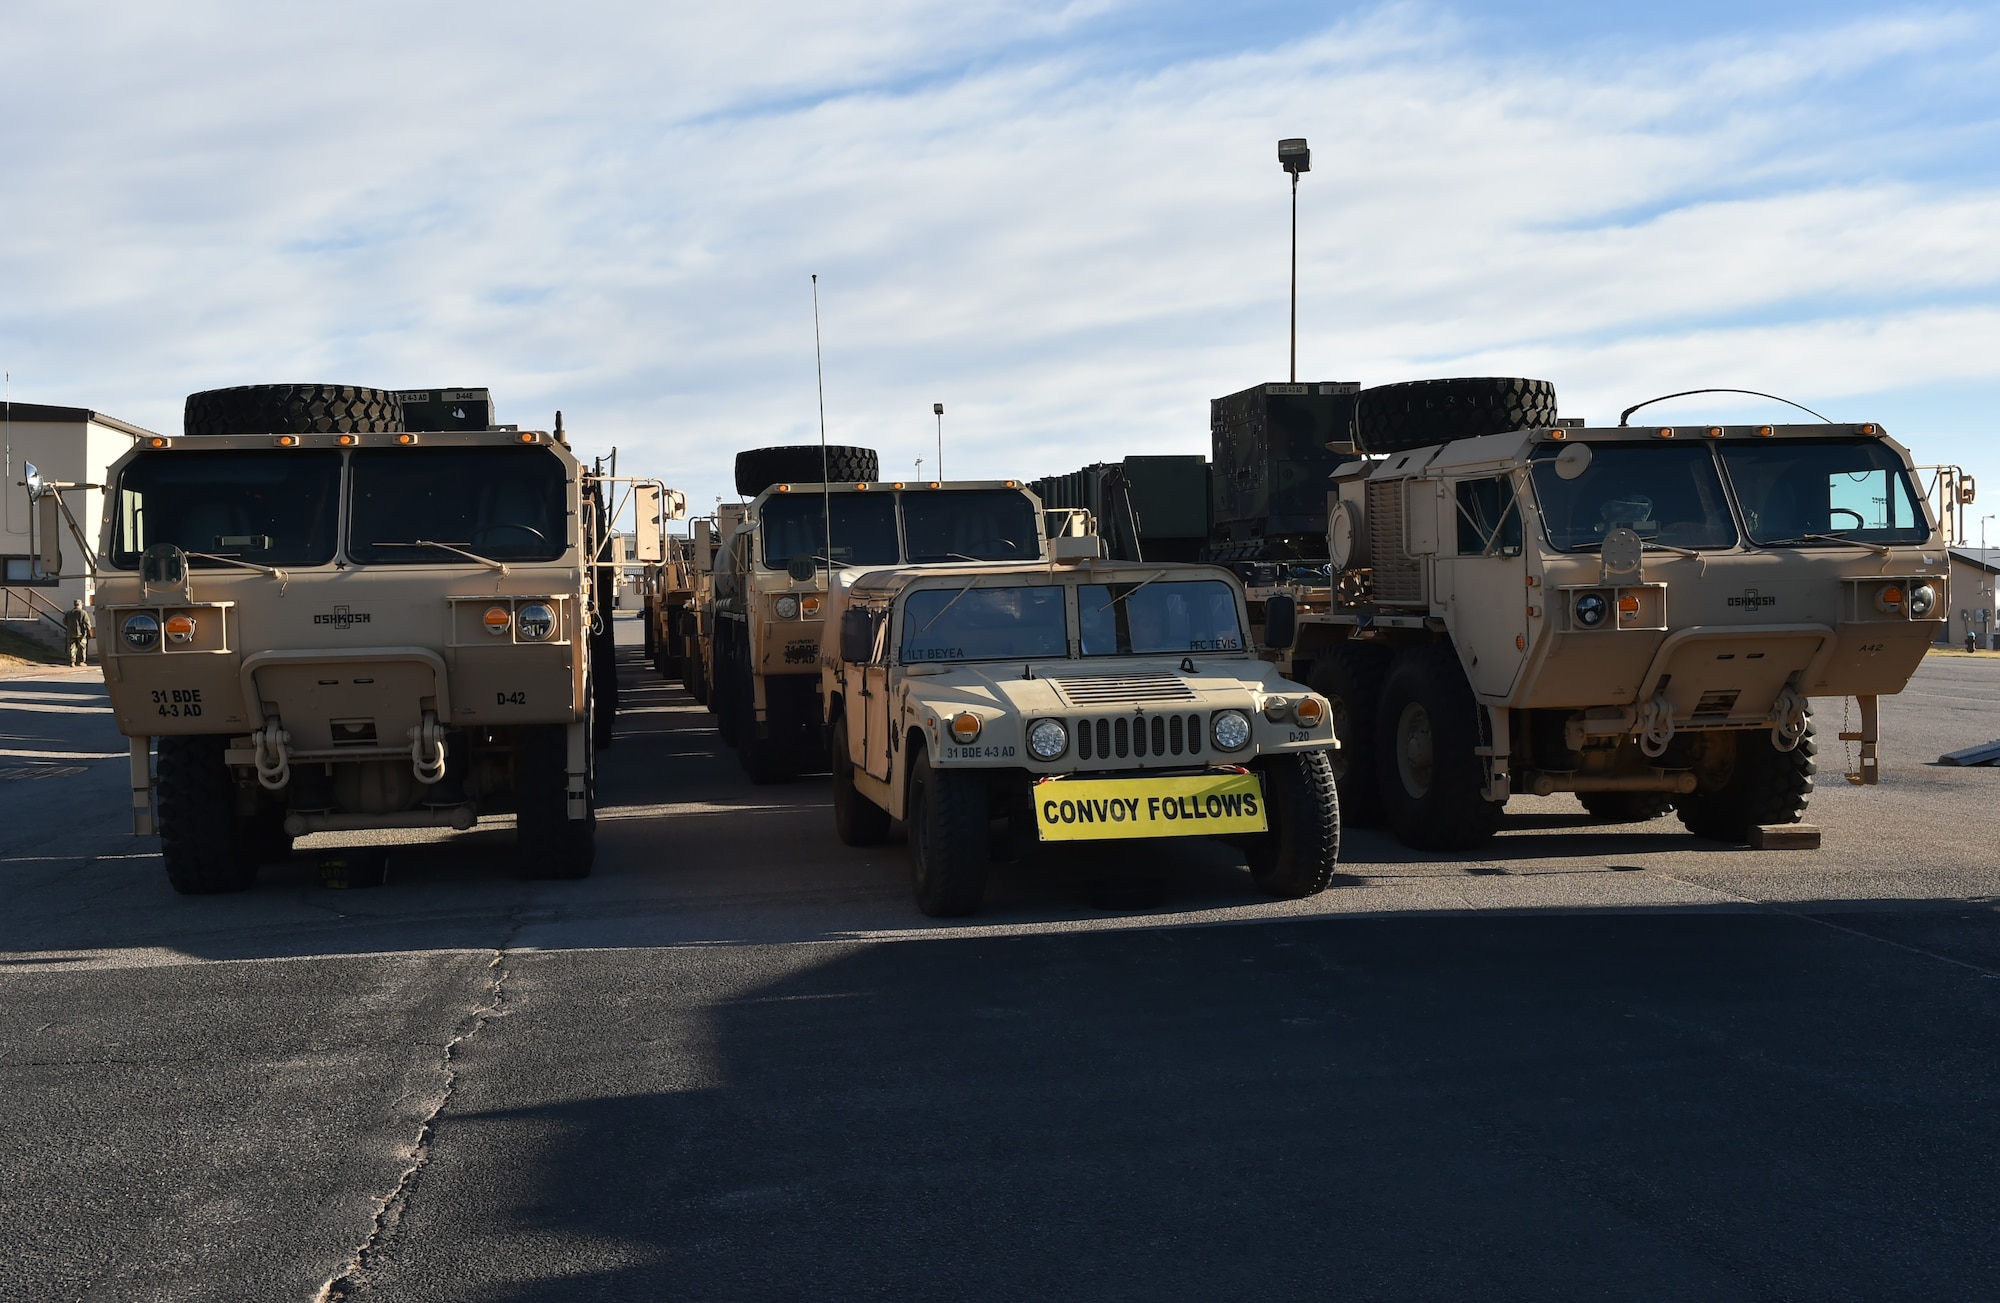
x=880, y=529
x=983, y=624
x=1792, y=489
x=270, y=508
x=506, y=504
x=1666, y=493
x=1150, y=618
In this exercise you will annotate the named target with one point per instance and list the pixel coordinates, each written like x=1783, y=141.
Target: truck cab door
x=1484, y=577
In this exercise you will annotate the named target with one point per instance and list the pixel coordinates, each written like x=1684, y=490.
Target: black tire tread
x=292, y=409
x=1352, y=674
x=1455, y=814
x=1767, y=786
x=206, y=846
x=1300, y=854
x=550, y=843
x=949, y=841
x=1418, y=413
x=758, y=469
x=857, y=820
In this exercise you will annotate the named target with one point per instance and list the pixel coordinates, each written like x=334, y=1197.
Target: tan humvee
x=770, y=589
x=372, y=628
x=1639, y=616
x=1088, y=700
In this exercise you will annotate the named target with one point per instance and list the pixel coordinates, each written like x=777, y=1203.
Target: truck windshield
x=506, y=504
x=984, y=624
x=864, y=528
x=1140, y=619
x=984, y=524
x=270, y=508
x=1791, y=489
x=1666, y=493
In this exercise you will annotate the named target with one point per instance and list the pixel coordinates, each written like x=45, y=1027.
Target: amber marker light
x=1715, y=432
x=288, y=441
x=180, y=627
x=965, y=726
x=347, y=441
x=898, y=484
x=1666, y=432
x=861, y=487
x=497, y=620
x=1765, y=431
x=784, y=488
x=1868, y=429
x=406, y=439
x=1310, y=711
x=1628, y=606
x=157, y=442
x=934, y=483
x=1558, y=435
x=809, y=606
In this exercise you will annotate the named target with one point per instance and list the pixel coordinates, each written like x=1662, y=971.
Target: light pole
x=938, y=409
x=1985, y=562
x=1295, y=158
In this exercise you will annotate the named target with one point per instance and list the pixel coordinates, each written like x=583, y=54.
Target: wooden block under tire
x=1784, y=837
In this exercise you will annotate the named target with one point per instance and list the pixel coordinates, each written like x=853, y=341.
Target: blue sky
x=1065, y=221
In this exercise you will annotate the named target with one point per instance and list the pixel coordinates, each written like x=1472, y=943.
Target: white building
x=69, y=444
x=1972, y=597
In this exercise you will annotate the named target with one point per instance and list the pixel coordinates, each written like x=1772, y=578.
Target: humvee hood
x=1065, y=686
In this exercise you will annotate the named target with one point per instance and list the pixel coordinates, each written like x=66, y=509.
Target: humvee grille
x=1138, y=735
x=1399, y=578
x=1115, y=690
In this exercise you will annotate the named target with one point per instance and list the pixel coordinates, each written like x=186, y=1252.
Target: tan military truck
x=328, y=621
x=770, y=583
x=1086, y=700
x=1641, y=616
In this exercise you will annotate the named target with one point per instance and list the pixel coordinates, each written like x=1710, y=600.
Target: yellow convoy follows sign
x=1204, y=805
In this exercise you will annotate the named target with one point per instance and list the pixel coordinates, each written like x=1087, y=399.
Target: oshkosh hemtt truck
x=770, y=583
x=328, y=621
x=1641, y=616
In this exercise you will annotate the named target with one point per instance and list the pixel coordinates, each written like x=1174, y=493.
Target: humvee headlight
x=965, y=726
x=1889, y=600
x=1923, y=599
x=1047, y=739
x=180, y=628
x=535, y=622
x=1310, y=712
x=498, y=619
x=140, y=631
x=1591, y=608
x=1230, y=729
x=788, y=607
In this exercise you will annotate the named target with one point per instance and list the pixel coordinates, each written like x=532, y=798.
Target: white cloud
x=614, y=209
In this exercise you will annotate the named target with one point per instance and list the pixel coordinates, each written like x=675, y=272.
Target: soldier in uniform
x=76, y=623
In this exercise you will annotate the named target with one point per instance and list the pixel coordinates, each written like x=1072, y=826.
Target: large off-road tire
x=292, y=409
x=1758, y=785
x=550, y=843
x=758, y=469
x=857, y=820
x=949, y=838
x=650, y=649
x=726, y=695
x=694, y=674
x=206, y=846
x=765, y=760
x=1302, y=806
x=1417, y=413
x=1433, y=786
x=1626, y=807
x=1350, y=677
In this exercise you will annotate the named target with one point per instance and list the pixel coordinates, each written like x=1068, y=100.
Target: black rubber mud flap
x=758, y=469
x=292, y=409
x=1418, y=413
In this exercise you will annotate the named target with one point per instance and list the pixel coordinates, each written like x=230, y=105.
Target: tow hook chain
x=427, y=750
x=274, y=765
x=1790, y=718
x=1656, y=725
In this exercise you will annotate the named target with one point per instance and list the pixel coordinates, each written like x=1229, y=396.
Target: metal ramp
x=1986, y=753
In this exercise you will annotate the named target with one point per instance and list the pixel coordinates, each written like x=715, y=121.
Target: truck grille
x=1119, y=690
x=1138, y=735
x=1399, y=577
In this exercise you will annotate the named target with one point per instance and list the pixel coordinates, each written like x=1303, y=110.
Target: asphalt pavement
x=1592, y=1061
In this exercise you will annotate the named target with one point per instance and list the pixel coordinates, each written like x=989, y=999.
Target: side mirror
x=649, y=541
x=1281, y=621
x=857, y=636
x=49, y=524
x=802, y=567
x=162, y=563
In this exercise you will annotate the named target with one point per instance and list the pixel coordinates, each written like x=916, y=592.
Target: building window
x=21, y=570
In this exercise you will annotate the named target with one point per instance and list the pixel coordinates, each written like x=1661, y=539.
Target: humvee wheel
x=206, y=845
x=1302, y=805
x=1350, y=678
x=1433, y=786
x=857, y=820
x=1761, y=785
x=949, y=844
x=550, y=843
x=1626, y=807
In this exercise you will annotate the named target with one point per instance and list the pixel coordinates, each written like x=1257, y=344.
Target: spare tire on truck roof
x=758, y=469
x=1418, y=413
x=293, y=409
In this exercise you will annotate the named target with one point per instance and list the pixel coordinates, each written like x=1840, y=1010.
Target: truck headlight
x=1591, y=608
x=1923, y=600
x=1047, y=739
x=788, y=607
x=965, y=726
x=1230, y=729
x=535, y=622
x=140, y=631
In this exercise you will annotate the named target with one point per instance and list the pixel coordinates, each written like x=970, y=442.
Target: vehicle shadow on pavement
x=1720, y=1106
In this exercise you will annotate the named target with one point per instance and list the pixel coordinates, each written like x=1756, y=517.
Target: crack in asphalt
x=391, y=1207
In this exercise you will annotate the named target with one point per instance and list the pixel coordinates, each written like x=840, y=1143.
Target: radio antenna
x=825, y=488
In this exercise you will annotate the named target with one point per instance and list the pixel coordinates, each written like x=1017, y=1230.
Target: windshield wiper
x=1133, y=589
x=1669, y=547
x=1876, y=548
x=953, y=602
x=229, y=560
x=450, y=547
